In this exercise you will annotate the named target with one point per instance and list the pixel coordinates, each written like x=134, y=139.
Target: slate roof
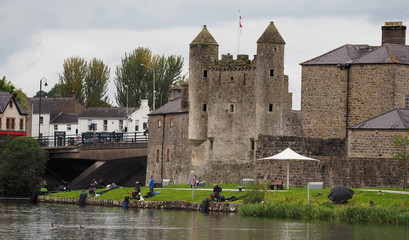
x=171, y=107
x=5, y=98
x=69, y=118
x=343, y=54
x=388, y=53
x=364, y=54
x=395, y=119
x=106, y=112
x=48, y=104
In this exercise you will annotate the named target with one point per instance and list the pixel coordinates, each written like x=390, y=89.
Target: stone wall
x=173, y=205
x=373, y=143
x=169, y=152
x=334, y=168
x=372, y=91
x=323, y=101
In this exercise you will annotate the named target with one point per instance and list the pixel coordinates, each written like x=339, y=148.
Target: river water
x=21, y=220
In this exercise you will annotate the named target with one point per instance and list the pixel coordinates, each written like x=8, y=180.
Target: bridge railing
x=60, y=140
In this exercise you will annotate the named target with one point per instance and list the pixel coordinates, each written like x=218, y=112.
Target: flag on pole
x=241, y=26
x=239, y=33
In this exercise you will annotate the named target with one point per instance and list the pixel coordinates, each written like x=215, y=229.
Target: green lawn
x=167, y=193
x=292, y=196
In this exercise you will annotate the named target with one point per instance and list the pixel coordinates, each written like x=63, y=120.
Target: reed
x=340, y=213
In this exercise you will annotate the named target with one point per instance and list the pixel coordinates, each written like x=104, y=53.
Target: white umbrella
x=289, y=155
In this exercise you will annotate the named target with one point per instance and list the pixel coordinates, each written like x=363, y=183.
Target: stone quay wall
x=334, y=167
x=162, y=205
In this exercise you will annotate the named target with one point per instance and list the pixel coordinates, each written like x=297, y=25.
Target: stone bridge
x=122, y=163
x=100, y=151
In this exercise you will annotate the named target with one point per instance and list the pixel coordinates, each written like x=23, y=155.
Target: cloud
x=39, y=35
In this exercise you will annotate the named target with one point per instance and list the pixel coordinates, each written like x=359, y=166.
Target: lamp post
x=153, y=90
x=39, y=106
x=127, y=107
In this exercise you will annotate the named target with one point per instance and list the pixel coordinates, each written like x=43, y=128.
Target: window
x=10, y=123
x=204, y=107
x=167, y=155
x=55, y=127
x=407, y=102
x=205, y=73
x=157, y=155
x=244, y=79
x=121, y=124
x=0, y=122
x=220, y=78
x=145, y=125
x=232, y=79
x=69, y=127
x=105, y=125
x=231, y=109
x=211, y=143
x=41, y=120
x=159, y=123
x=252, y=144
x=136, y=125
x=11, y=104
x=270, y=107
x=21, y=123
x=271, y=72
x=171, y=122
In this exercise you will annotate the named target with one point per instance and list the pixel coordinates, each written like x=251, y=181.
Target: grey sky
x=38, y=35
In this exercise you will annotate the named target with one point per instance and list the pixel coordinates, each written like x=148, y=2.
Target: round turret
x=203, y=51
x=270, y=81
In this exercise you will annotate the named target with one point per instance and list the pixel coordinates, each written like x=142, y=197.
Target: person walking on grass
x=151, y=185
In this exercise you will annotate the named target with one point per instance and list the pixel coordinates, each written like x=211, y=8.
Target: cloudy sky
x=36, y=36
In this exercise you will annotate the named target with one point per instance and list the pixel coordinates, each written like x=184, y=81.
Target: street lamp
x=39, y=106
x=127, y=107
x=153, y=91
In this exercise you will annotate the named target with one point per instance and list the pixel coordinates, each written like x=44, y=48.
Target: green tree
x=7, y=86
x=96, y=84
x=22, y=164
x=54, y=92
x=169, y=71
x=73, y=78
x=402, y=143
x=134, y=73
x=139, y=69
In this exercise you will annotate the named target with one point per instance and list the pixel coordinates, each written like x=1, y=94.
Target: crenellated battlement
x=227, y=63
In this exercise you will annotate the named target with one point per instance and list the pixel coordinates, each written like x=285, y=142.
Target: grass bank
x=389, y=207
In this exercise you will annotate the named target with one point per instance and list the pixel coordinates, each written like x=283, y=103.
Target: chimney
x=185, y=95
x=394, y=32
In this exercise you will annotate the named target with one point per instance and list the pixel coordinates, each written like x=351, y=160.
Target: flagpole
x=238, y=35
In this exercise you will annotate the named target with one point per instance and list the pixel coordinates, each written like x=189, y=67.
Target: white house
x=54, y=115
x=114, y=119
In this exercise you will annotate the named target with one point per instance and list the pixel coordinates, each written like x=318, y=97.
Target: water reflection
x=20, y=220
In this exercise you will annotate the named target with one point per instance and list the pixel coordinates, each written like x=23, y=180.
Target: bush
x=256, y=193
x=22, y=164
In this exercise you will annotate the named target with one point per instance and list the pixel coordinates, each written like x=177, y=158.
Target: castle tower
x=203, y=50
x=270, y=83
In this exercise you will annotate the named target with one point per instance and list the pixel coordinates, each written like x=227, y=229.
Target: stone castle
x=234, y=111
